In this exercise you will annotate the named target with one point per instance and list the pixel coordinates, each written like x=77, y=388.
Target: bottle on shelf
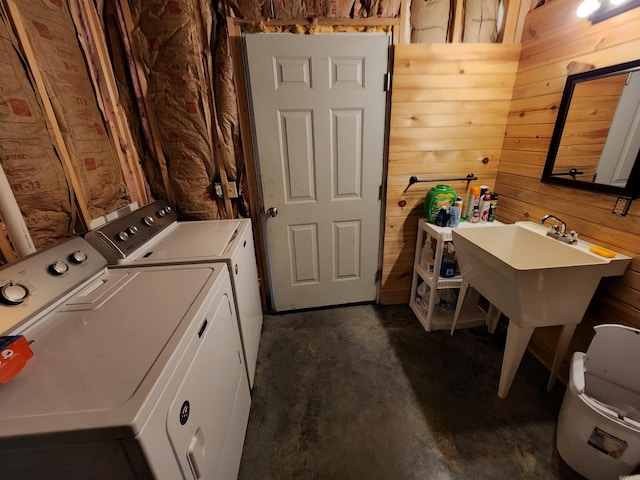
x=455, y=211
x=442, y=219
x=475, y=216
x=473, y=200
x=448, y=264
x=448, y=299
x=492, y=207
x=485, y=205
x=422, y=295
x=427, y=257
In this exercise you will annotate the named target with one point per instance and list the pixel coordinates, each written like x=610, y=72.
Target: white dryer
x=152, y=235
x=136, y=373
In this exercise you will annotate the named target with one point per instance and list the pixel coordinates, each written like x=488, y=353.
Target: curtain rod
x=470, y=177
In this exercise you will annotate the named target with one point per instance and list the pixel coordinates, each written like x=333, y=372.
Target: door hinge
x=387, y=82
x=380, y=192
x=378, y=275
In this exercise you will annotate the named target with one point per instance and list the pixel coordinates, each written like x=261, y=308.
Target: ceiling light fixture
x=597, y=11
x=587, y=7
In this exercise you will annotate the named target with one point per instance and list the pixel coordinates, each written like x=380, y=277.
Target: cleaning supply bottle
x=473, y=200
x=492, y=207
x=475, y=216
x=427, y=256
x=422, y=294
x=485, y=204
x=442, y=219
x=448, y=264
x=455, y=212
x=448, y=299
x=440, y=196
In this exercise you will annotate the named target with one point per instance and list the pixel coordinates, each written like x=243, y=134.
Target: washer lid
x=107, y=350
x=186, y=242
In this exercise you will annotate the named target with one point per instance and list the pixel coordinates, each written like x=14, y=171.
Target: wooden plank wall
x=555, y=44
x=449, y=109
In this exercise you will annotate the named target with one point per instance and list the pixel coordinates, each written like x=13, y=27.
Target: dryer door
x=202, y=413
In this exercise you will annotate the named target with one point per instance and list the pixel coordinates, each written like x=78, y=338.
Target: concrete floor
x=363, y=392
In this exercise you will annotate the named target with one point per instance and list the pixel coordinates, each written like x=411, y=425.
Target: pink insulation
x=27, y=156
x=170, y=46
x=58, y=55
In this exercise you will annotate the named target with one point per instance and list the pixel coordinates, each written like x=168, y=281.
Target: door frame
x=252, y=166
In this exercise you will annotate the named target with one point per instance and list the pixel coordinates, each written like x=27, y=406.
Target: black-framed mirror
x=596, y=140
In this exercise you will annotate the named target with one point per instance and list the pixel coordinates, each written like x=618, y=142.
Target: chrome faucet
x=558, y=230
x=558, y=227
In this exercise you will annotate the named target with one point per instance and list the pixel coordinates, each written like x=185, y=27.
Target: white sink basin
x=533, y=279
x=528, y=275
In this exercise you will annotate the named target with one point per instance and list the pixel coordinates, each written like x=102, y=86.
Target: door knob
x=272, y=212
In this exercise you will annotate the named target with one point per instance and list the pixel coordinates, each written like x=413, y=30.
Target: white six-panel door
x=318, y=106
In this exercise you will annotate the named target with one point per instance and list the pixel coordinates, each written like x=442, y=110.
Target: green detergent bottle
x=440, y=196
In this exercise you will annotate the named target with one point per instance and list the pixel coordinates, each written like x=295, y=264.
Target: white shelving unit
x=432, y=318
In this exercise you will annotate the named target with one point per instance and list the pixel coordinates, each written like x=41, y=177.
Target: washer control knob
x=58, y=267
x=132, y=230
x=78, y=256
x=167, y=209
x=162, y=212
x=14, y=293
x=148, y=221
x=123, y=236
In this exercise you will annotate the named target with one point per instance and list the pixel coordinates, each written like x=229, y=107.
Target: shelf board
x=426, y=276
x=471, y=316
x=451, y=282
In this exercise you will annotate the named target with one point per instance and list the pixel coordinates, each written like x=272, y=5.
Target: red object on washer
x=14, y=353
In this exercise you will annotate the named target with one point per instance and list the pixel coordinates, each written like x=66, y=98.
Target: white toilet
x=598, y=431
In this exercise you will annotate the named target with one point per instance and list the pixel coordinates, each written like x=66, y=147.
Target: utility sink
x=534, y=280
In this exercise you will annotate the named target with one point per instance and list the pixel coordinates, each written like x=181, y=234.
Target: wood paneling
x=433, y=134
x=555, y=44
x=449, y=109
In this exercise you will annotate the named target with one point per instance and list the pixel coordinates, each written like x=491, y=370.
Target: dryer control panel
x=121, y=237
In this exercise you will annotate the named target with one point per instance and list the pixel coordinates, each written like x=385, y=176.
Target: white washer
x=136, y=373
x=152, y=235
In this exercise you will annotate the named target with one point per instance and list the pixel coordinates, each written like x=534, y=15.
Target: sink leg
x=563, y=343
x=517, y=341
x=493, y=315
x=464, y=286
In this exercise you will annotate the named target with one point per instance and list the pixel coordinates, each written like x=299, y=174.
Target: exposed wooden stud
x=337, y=22
x=405, y=25
x=221, y=152
x=115, y=118
x=458, y=22
x=515, y=13
x=215, y=137
x=123, y=9
x=5, y=247
x=41, y=89
x=526, y=7
x=511, y=11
